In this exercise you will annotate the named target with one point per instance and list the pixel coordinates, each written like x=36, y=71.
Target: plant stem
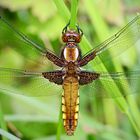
x=62, y=9
x=74, y=4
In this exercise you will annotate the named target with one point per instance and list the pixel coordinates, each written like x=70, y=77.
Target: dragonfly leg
x=65, y=28
x=80, y=31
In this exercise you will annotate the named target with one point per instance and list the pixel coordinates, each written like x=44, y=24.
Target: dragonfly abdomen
x=70, y=104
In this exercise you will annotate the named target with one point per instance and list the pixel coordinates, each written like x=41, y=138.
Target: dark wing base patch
x=87, y=77
x=54, y=76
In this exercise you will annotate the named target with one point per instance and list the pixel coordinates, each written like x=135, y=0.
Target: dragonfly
x=70, y=75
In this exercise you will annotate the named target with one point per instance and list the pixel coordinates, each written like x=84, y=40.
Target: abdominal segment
x=70, y=104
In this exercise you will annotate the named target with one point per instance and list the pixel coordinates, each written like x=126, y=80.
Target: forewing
x=118, y=43
x=28, y=83
x=127, y=83
x=31, y=50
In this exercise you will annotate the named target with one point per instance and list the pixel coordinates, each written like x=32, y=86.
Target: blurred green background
x=37, y=118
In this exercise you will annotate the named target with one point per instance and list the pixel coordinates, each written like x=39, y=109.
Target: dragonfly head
x=71, y=36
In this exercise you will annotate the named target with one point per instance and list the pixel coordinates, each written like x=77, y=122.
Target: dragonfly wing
x=28, y=83
x=18, y=41
x=118, y=43
x=23, y=37
x=127, y=83
x=23, y=44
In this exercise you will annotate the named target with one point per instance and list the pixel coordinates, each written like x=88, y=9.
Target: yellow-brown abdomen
x=70, y=104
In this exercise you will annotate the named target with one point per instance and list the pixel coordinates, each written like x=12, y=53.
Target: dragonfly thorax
x=71, y=68
x=71, y=54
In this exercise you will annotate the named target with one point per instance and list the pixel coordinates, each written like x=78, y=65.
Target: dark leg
x=65, y=28
x=79, y=30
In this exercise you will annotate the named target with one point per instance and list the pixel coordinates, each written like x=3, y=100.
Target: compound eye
x=77, y=39
x=65, y=38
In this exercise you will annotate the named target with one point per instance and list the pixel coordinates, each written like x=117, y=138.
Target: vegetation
x=39, y=117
